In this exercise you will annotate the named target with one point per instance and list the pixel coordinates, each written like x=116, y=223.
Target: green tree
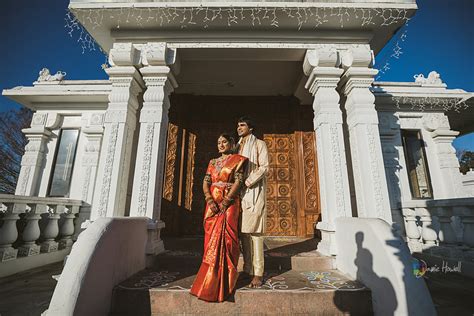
x=466, y=161
x=12, y=146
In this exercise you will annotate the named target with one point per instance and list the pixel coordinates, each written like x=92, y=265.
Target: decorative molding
x=431, y=103
x=337, y=171
x=109, y=161
x=145, y=174
x=190, y=171
x=372, y=134
x=39, y=119
x=434, y=121
x=97, y=119
x=310, y=181
x=361, y=210
x=24, y=180
x=172, y=145
x=86, y=184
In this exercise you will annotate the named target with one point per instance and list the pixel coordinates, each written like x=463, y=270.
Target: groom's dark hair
x=247, y=120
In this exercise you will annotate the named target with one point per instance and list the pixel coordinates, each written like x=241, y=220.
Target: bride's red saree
x=218, y=274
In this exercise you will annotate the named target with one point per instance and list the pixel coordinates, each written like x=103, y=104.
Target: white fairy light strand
x=256, y=16
x=207, y=16
x=396, y=51
x=435, y=103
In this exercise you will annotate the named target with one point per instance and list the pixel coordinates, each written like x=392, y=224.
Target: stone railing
x=468, y=182
x=30, y=226
x=442, y=228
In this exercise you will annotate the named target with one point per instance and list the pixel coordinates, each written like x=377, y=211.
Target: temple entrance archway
x=287, y=128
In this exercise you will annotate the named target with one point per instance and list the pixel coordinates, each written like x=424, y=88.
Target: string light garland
x=205, y=17
x=435, y=103
x=395, y=52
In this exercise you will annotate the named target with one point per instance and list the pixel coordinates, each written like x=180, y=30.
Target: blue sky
x=440, y=37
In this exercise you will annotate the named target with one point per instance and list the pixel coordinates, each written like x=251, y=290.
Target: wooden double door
x=293, y=205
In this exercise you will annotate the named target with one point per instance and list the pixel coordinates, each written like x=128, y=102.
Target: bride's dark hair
x=230, y=139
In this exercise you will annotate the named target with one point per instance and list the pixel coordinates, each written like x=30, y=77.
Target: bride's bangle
x=227, y=201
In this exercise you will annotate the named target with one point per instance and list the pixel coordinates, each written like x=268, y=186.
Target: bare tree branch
x=12, y=146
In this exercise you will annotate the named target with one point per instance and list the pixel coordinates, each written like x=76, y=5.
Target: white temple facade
x=381, y=149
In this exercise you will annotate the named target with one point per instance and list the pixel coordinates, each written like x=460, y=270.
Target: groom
x=254, y=213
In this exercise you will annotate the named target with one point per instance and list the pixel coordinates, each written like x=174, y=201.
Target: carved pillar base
x=327, y=245
x=8, y=254
x=27, y=250
x=65, y=243
x=414, y=246
x=49, y=246
x=154, y=243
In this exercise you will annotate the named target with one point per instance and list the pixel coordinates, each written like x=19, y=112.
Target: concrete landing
x=298, y=280
x=166, y=292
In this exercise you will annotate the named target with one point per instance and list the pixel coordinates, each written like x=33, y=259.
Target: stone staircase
x=298, y=280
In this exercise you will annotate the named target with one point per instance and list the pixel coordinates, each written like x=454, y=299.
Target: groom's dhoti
x=252, y=246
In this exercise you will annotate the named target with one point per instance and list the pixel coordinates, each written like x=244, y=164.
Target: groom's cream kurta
x=254, y=211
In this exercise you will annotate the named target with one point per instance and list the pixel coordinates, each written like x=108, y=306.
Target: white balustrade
x=32, y=211
x=438, y=231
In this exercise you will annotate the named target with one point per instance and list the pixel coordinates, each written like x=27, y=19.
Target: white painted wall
x=109, y=251
x=369, y=251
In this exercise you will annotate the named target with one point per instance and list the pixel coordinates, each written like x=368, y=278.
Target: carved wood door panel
x=292, y=186
x=281, y=184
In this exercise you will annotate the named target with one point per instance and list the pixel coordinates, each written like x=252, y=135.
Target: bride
x=218, y=274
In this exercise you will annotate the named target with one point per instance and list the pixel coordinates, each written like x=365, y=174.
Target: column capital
x=158, y=54
x=322, y=57
x=357, y=56
x=124, y=54
x=124, y=77
x=357, y=77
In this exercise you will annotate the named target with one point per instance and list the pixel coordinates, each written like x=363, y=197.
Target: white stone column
x=364, y=138
x=448, y=164
x=120, y=122
x=321, y=67
x=34, y=159
x=93, y=130
x=148, y=178
x=391, y=140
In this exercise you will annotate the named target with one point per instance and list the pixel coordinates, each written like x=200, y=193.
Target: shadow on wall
x=370, y=251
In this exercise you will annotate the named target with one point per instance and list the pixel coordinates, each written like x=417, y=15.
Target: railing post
x=446, y=232
x=67, y=229
x=428, y=233
x=50, y=231
x=413, y=234
x=32, y=232
x=8, y=233
x=467, y=219
x=447, y=237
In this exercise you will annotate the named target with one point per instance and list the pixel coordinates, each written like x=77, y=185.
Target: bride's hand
x=213, y=206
